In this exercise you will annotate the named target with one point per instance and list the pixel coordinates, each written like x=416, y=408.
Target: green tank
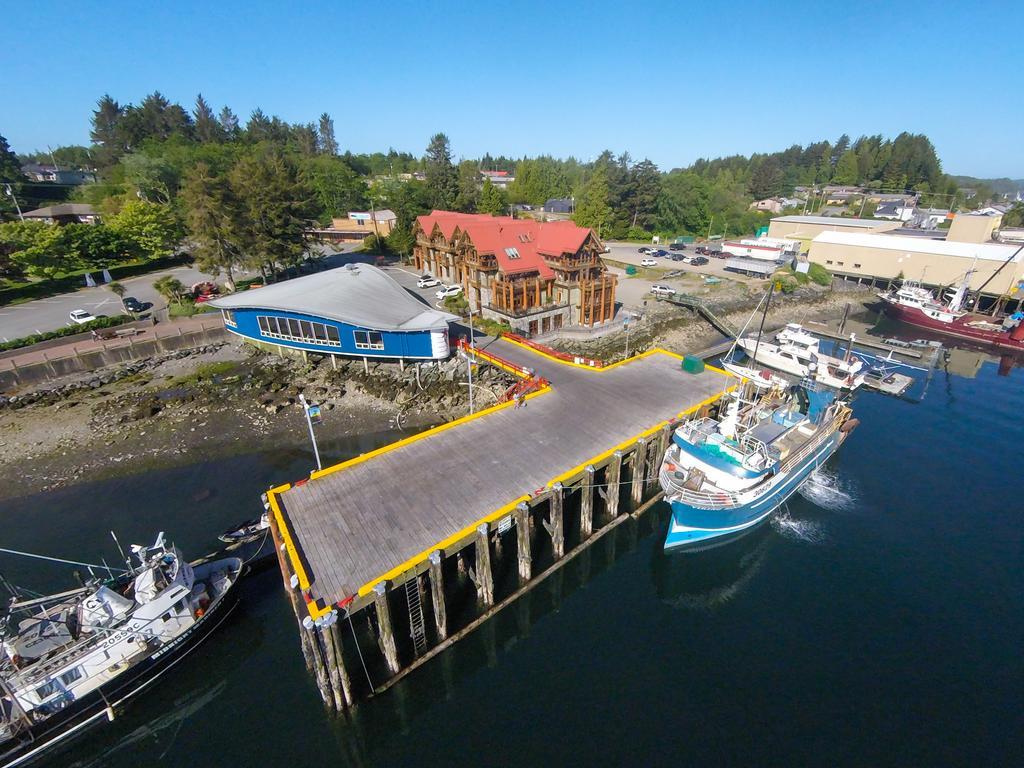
x=692, y=364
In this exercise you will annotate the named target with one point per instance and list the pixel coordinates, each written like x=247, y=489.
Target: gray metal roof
x=358, y=294
x=834, y=221
x=64, y=209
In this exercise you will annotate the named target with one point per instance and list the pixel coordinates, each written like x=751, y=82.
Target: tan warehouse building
x=997, y=267
x=806, y=228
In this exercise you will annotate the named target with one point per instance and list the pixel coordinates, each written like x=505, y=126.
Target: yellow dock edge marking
x=315, y=612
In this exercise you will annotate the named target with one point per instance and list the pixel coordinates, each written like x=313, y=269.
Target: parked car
x=81, y=317
x=701, y=250
x=132, y=304
x=677, y=247
x=678, y=257
x=661, y=254
x=448, y=291
x=644, y=249
x=662, y=290
x=696, y=261
x=648, y=263
x=427, y=281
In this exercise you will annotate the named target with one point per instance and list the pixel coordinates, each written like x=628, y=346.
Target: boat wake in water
x=810, y=531
x=825, y=489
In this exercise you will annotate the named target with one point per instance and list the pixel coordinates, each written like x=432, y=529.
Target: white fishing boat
x=797, y=352
x=70, y=660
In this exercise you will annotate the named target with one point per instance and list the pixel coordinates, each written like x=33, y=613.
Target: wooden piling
x=320, y=667
x=333, y=673
x=522, y=516
x=587, y=502
x=555, y=524
x=386, y=633
x=437, y=594
x=639, y=466
x=484, y=577
x=334, y=636
x=612, y=477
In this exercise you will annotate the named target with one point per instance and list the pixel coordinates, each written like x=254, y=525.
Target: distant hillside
x=1002, y=186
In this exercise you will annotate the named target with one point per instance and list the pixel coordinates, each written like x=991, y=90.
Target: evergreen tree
x=592, y=209
x=229, y=123
x=105, y=133
x=328, y=144
x=468, y=198
x=273, y=207
x=259, y=128
x=766, y=179
x=208, y=129
x=846, y=169
x=644, y=187
x=493, y=200
x=442, y=178
x=10, y=174
x=212, y=216
x=305, y=138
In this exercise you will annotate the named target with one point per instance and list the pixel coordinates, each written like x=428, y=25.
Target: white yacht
x=796, y=351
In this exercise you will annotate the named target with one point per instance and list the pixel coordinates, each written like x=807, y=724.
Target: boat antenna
x=764, y=315
x=11, y=589
x=728, y=355
x=121, y=550
x=51, y=559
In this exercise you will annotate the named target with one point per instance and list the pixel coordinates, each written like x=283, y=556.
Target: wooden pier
x=429, y=536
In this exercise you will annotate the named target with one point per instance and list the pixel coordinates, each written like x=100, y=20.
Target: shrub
x=819, y=274
x=638, y=233
x=70, y=330
x=491, y=327
x=457, y=304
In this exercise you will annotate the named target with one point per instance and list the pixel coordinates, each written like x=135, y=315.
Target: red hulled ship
x=916, y=305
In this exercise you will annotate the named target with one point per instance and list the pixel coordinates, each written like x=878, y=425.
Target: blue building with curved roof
x=356, y=310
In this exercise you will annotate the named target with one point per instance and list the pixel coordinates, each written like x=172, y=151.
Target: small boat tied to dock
x=71, y=659
x=797, y=352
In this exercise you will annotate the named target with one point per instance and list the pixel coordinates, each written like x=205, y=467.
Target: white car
x=427, y=281
x=448, y=291
x=81, y=317
x=648, y=263
x=662, y=290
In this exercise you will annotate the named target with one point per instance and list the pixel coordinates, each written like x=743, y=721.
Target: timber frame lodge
x=535, y=276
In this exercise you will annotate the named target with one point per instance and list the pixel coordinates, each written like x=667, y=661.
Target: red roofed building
x=536, y=276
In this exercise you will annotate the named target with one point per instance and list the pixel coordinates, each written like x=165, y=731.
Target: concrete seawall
x=82, y=358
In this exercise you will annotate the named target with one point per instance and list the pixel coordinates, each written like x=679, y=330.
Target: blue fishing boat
x=724, y=475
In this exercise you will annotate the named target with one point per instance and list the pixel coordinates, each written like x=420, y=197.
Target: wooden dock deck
x=374, y=517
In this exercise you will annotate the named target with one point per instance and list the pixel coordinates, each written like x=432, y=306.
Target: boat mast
x=764, y=315
x=977, y=293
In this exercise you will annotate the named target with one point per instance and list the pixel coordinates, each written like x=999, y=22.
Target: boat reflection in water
x=702, y=579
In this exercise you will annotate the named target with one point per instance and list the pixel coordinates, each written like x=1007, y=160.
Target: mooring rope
x=355, y=639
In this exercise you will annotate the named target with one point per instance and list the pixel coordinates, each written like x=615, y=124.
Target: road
x=41, y=315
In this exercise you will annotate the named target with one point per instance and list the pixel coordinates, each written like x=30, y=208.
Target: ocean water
x=877, y=620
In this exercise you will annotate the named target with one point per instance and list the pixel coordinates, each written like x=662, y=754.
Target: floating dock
x=465, y=503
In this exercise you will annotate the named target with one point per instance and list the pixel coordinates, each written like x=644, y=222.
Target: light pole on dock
x=312, y=435
x=469, y=361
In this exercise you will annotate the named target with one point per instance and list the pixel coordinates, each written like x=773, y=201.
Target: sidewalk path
x=176, y=327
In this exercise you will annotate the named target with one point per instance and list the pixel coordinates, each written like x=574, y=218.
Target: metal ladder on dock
x=416, y=624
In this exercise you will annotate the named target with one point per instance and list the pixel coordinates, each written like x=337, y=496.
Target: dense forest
x=245, y=193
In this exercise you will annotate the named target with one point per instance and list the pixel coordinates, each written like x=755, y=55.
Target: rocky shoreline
x=215, y=399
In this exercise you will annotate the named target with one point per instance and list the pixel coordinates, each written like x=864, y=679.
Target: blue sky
x=672, y=81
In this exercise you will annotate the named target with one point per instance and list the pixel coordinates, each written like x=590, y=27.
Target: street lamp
x=309, y=423
x=469, y=362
